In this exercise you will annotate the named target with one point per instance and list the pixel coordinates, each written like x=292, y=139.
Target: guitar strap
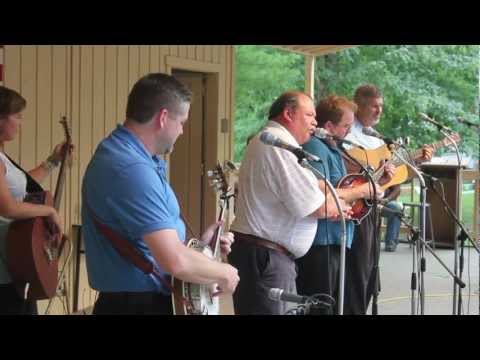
x=130, y=253
x=32, y=185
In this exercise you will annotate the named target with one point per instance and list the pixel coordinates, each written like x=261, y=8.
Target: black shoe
x=390, y=248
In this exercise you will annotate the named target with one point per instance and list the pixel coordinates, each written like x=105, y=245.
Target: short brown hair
x=288, y=99
x=332, y=108
x=154, y=92
x=365, y=93
x=11, y=102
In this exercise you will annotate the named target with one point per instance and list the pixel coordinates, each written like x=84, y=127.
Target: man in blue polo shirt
x=318, y=270
x=125, y=187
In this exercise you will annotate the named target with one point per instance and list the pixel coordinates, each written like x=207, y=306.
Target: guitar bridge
x=48, y=252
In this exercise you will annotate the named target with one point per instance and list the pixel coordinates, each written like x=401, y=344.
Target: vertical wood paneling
x=144, y=60
x=13, y=73
x=111, y=98
x=191, y=52
x=98, y=97
x=75, y=111
x=207, y=54
x=133, y=65
x=85, y=116
x=60, y=94
x=58, y=109
x=163, y=51
x=154, y=59
x=44, y=110
x=215, y=54
x=122, y=81
x=173, y=50
x=182, y=51
x=200, y=52
x=28, y=86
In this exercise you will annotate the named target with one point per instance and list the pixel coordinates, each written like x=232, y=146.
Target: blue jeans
x=393, y=224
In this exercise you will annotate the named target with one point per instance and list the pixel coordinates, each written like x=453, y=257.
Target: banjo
x=195, y=299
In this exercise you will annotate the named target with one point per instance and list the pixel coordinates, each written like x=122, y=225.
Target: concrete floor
x=396, y=271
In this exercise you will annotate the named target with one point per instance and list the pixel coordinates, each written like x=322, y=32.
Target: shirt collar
x=286, y=135
x=125, y=134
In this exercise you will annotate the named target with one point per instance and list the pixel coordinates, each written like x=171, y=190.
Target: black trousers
x=133, y=303
x=318, y=272
x=11, y=303
x=260, y=269
x=359, y=273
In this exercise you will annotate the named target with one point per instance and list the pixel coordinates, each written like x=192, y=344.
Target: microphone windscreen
x=268, y=138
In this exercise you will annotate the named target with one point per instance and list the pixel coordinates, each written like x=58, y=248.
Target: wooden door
x=186, y=161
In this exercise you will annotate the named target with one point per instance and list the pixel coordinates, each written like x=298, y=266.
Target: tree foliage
x=262, y=74
x=439, y=80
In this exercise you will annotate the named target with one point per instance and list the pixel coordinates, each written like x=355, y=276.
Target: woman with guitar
x=14, y=185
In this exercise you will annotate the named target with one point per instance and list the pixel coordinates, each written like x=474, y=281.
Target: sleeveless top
x=17, y=184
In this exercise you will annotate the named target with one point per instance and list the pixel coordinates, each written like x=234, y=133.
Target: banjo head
x=200, y=295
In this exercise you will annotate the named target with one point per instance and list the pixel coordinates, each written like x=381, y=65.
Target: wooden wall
x=90, y=84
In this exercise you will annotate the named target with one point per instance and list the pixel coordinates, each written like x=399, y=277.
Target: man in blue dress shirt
x=318, y=270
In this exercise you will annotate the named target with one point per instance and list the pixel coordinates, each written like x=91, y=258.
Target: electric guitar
x=361, y=207
x=195, y=299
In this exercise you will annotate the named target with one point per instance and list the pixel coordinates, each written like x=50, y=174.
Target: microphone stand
x=423, y=197
x=463, y=235
x=415, y=236
x=304, y=163
x=447, y=132
x=455, y=246
x=368, y=175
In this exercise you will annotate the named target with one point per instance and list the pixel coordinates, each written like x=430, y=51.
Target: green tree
x=439, y=80
x=262, y=74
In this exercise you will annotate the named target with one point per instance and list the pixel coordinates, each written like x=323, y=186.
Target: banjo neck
x=219, y=230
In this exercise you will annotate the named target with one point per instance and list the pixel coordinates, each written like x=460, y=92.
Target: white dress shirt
x=357, y=136
x=277, y=195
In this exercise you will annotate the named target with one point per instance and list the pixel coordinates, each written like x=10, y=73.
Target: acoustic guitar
x=361, y=207
x=195, y=299
x=34, y=246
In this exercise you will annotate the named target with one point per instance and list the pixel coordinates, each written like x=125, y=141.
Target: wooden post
x=309, y=75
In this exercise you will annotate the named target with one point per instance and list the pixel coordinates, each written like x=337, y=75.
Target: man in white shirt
x=277, y=208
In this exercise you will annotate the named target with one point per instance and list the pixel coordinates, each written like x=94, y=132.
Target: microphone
x=429, y=179
x=375, y=133
x=434, y=122
x=270, y=139
x=276, y=294
x=428, y=176
x=321, y=133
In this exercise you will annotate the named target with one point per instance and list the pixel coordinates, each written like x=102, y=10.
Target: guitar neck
x=218, y=232
x=60, y=184
x=417, y=154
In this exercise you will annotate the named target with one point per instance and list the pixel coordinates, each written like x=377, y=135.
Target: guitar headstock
x=218, y=178
x=68, y=138
x=66, y=129
x=455, y=137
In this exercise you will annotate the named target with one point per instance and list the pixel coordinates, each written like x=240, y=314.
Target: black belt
x=252, y=239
